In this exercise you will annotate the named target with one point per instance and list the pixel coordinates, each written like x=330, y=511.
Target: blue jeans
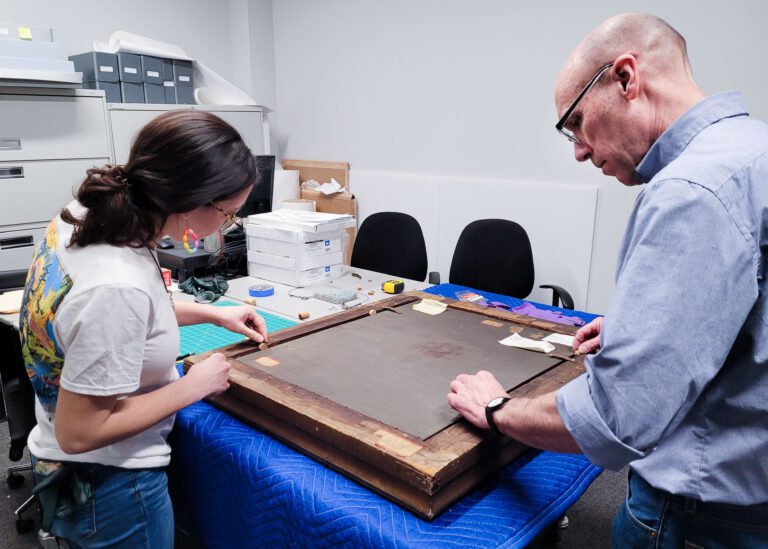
x=130, y=508
x=653, y=518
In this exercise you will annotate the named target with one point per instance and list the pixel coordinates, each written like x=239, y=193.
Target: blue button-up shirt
x=679, y=388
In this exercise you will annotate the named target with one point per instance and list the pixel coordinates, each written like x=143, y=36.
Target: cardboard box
x=340, y=203
x=320, y=170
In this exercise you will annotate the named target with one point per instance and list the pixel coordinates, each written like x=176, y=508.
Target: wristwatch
x=490, y=408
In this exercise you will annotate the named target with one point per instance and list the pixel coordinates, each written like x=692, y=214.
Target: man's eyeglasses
x=230, y=220
x=560, y=126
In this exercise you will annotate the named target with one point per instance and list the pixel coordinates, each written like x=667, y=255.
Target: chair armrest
x=434, y=278
x=559, y=295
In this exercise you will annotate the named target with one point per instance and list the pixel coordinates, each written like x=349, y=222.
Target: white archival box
x=301, y=220
x=297, y=247
x=295, y=277
x=287, y=243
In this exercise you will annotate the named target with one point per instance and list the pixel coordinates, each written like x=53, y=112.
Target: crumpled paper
x=326, y=188
x=530, y=344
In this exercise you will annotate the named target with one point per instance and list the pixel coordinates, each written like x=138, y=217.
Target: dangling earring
x=185, y=238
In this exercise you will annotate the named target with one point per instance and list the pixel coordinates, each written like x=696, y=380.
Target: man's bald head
x=657, y=46
x=640, y=83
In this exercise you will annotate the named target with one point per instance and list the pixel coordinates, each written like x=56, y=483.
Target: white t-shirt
x=97, y=320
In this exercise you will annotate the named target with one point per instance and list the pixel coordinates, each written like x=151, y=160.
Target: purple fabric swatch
x=529, y=309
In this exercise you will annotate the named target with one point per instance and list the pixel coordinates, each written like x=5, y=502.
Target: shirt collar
x=677, y=136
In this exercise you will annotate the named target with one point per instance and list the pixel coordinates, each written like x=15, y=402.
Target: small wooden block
x=263, y=346
x=304, y=315
x=250, y=301
x=372, y=312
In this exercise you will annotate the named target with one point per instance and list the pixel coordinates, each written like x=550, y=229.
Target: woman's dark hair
x=180, y=161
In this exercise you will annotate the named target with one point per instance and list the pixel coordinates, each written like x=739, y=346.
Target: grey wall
x=432, y=87
x=465, y=88
x=203, y=28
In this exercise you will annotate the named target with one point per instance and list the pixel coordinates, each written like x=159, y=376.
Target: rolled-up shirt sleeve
x=686, y=281
x=592, y=434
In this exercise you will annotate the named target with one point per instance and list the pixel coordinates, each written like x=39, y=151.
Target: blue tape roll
x=261, y=290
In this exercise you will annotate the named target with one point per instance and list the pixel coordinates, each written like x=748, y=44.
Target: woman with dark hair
x=100, y=331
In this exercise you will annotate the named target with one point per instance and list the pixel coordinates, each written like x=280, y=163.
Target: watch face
x=495, y=402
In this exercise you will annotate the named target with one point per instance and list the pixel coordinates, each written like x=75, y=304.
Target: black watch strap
x=490, y=409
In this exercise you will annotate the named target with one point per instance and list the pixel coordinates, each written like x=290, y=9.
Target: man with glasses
x=677, y=384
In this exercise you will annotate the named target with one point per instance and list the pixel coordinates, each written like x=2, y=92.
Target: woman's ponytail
x=112, y=216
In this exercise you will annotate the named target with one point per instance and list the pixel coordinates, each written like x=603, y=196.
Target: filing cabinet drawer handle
x=10, y=144
x=18, y=242
x=13, y=172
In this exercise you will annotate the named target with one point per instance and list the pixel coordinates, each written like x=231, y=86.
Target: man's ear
x=625, y=74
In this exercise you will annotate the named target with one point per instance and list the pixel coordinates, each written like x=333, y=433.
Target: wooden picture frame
x=424, y=476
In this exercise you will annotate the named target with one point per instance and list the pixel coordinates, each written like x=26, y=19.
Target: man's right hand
x=587, y=339
x=211, y=376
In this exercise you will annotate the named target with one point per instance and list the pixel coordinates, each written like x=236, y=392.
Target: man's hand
x=471, y=393
x=242, y=320
x=587, y=339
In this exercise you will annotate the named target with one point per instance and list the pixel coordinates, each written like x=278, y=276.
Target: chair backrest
x=17, y=392
x=391, y=243
x=494, y=255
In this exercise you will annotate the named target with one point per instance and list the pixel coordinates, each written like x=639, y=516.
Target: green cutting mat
x=200, y=338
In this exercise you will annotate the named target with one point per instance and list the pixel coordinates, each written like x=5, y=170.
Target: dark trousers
x=653, y=518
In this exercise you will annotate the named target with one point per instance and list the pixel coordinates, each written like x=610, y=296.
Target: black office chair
x=19, y=402
x=495, y=255
x=391, y=243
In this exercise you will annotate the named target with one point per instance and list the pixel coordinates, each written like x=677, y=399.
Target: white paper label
x=168, y=84
x=562, y=339
x=153, y=74
x=106, y=68
x=130, y=70
x=183, y=78
x=3, y=30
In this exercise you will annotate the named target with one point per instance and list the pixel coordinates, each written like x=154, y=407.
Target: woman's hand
x=209, y=377
x=87, y=422
x=242, y=319
x=587, y=339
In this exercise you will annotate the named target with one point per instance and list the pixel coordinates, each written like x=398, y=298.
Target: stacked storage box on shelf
x=133, y=78
x=100, y=72
x=182, y=78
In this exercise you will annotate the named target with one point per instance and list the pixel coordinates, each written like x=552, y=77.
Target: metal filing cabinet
x=48, y=139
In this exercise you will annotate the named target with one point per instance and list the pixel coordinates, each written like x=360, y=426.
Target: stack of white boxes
x=297, y=248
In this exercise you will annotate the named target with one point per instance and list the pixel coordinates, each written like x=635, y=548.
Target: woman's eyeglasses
x=230, y=220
